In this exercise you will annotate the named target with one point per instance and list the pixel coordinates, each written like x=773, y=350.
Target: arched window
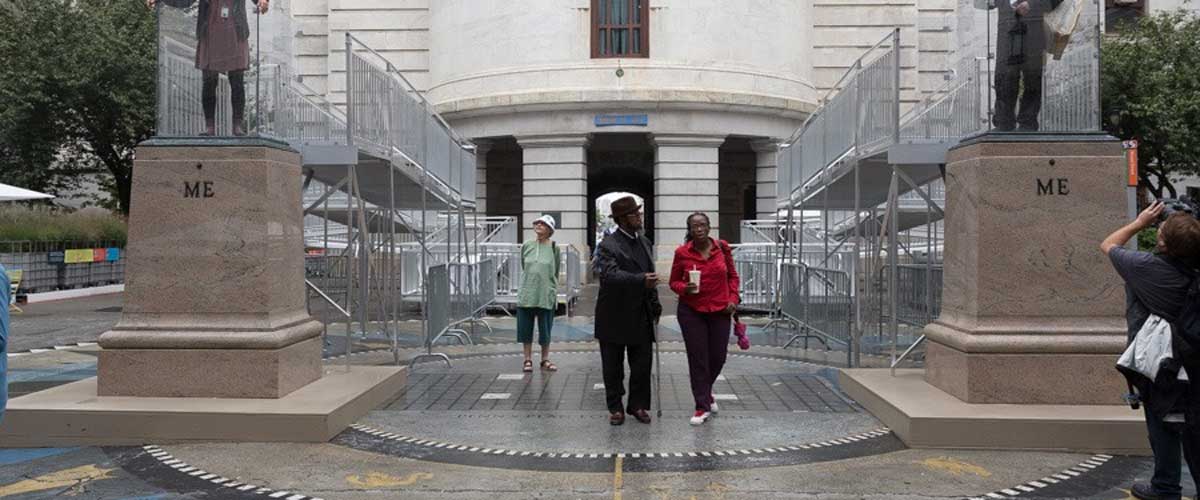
x=620, y=28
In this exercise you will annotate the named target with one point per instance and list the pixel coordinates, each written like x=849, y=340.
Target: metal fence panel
x=829, y=302
x=437, y=312
x=915, y=292
x=487, y=283
x=574, y=273
x=792, y=290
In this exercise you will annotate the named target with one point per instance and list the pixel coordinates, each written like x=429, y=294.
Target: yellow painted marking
x=954, y=466
x=381, y=480
x=661, y=492
x=718, y=489
x=617, y=481
x=60, y=479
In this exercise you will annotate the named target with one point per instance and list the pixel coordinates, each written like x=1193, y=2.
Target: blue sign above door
x=622, y=120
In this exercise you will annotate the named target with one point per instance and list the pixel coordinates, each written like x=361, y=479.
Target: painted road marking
x=383, y=480
x=167, y=460
x=618, y=465
x=954, y=466
x=56, y=480
x=1082, y=468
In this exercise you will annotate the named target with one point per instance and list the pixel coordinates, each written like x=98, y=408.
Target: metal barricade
x=792, y=290
x=919, y=296
x=759, y=281
x=828, y=300
x=573, y=284
x=820, y=301
x=437, y=311
x=507, y=259
x=487, y=285
x=471, y=293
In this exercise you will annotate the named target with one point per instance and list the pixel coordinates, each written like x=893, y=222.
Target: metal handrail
x=390, y=68
x=835, y=132
x=327, y=298
x=854, y=68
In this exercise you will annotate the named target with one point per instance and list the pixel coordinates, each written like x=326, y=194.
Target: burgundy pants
x=706, y=336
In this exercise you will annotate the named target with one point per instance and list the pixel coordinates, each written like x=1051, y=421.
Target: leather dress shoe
x=642, y=416
x=1143, y=491
x=616, y=418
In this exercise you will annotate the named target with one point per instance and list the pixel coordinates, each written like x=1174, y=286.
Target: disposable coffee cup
x=694, y=277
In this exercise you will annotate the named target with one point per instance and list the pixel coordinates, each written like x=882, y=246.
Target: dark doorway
x=738, y=187
x=505, y=179
x=620, y=162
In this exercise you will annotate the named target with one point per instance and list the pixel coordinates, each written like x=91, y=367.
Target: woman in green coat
x=538, y=296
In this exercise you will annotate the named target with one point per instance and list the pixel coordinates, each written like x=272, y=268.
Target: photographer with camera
x=1158, y=283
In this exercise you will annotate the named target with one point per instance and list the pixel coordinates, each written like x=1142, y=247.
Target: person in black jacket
x=223, y=36
x=627, y=312
x=1020, y=57
x=1157, y=283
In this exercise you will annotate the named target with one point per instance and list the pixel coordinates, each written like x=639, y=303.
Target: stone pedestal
x=1032, y=313
x=215, y=301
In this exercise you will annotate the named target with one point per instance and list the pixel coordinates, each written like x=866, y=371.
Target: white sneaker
x=700, y=417
x=712, y=408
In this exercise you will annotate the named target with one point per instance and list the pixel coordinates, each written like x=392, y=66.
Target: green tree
x=33, y=90
x=1150, y=91
x=78, y=83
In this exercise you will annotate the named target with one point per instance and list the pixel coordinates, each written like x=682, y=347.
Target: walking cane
x=657, y=372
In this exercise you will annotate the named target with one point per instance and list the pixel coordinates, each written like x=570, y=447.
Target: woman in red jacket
x=706, y=305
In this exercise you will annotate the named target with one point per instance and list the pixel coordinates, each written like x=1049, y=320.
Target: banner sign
x=79, y=256
x=1131, y=157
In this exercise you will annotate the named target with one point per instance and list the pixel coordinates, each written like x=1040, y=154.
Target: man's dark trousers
x=641, y=356
x=1021, y=82
x=1166, y=439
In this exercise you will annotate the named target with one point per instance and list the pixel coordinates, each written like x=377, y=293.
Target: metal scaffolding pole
x=893, y=324
x=392, y=283
x=856, y=333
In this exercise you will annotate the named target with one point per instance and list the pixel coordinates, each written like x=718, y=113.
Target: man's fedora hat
x=624, y=206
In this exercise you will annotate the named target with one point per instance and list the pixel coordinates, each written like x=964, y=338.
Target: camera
x=1132, y=399
x=1183, y=204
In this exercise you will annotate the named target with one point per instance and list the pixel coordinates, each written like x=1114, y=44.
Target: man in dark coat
x=1020, y=57
x=627, y=311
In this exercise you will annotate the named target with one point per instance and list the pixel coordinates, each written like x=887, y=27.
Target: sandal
x=547, y=365
x=528, y=366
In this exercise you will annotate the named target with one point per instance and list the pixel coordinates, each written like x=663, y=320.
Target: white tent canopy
x=13, y=193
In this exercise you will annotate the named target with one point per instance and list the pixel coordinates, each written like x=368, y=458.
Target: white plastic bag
x=1150, y=346
x=1059, y=24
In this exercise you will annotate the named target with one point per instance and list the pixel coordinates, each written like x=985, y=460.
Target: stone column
x=1033, y=313
x=766, y=178
x=555, y=181
x=482, y=147
x=214, y=294
x=685, y=181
